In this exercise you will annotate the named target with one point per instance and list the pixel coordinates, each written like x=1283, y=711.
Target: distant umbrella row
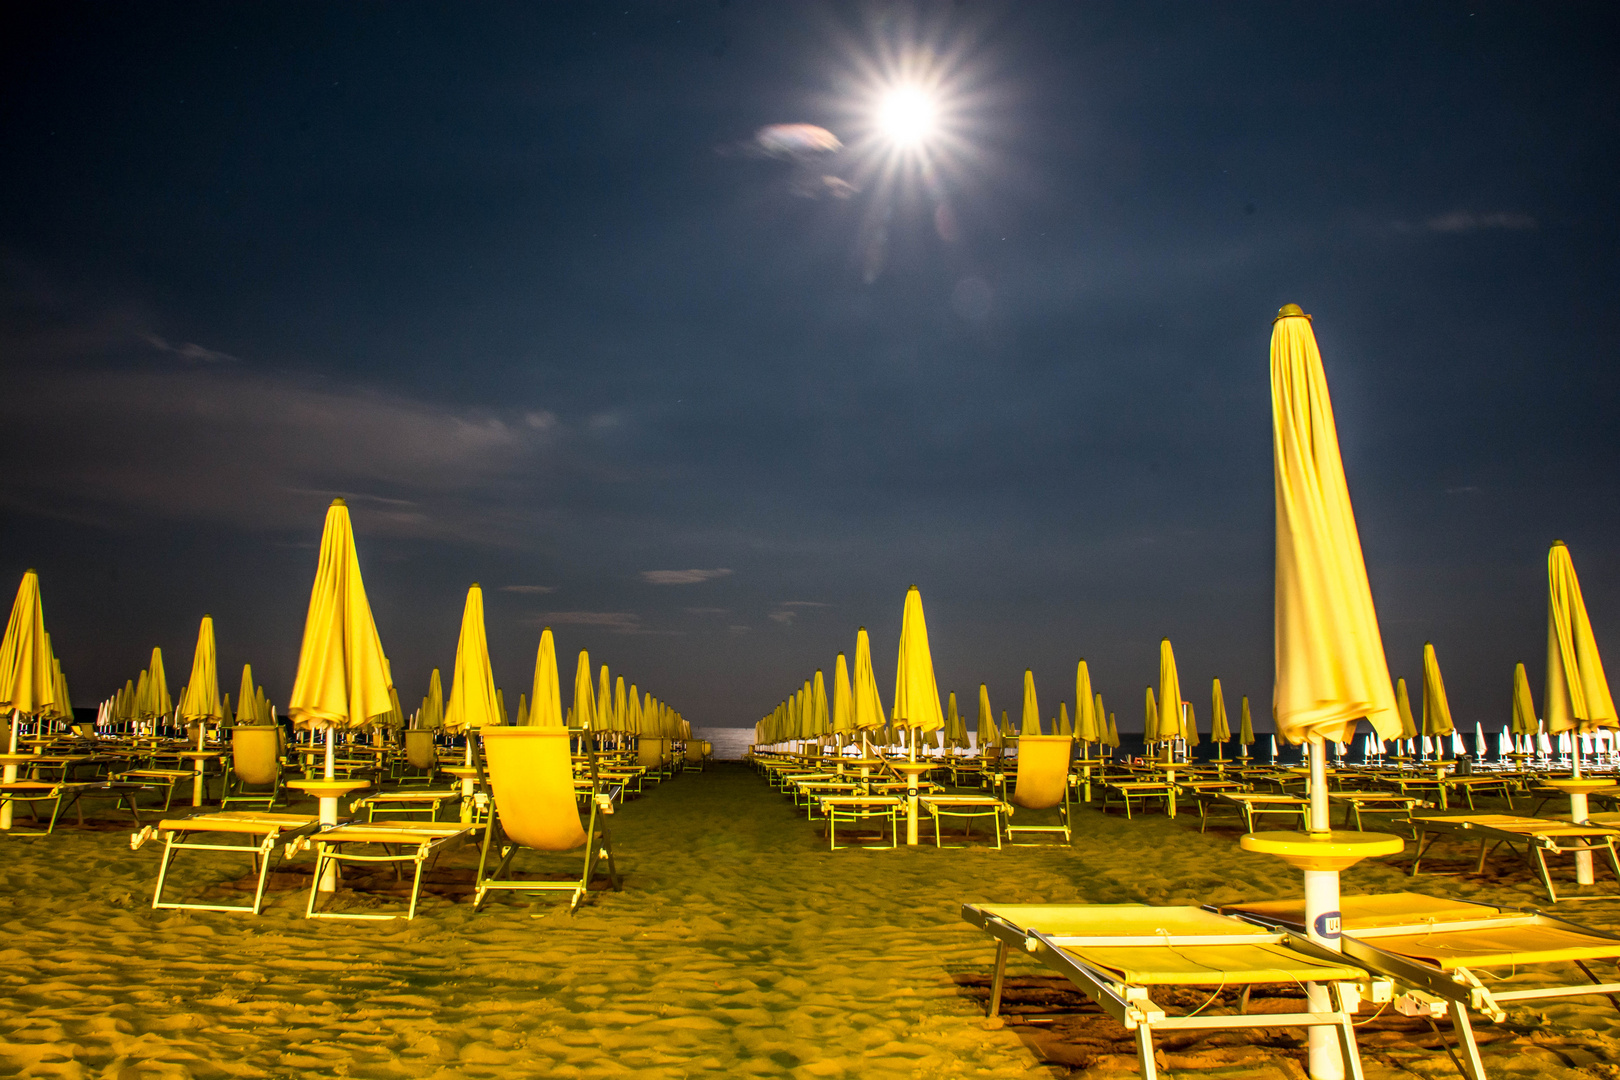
x=344, y=679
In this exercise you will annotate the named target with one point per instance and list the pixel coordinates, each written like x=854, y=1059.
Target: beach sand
x=740, y=946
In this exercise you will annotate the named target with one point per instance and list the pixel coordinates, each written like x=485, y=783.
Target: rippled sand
x=739, y=947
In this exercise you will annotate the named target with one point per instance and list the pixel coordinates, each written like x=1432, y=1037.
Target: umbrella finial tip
x=1289, y=309
x=339, y=502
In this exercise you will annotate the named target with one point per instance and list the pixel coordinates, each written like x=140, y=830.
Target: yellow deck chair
x=1043, y=783
x=255, y=767
x=1456, y=953
x=421, y=755
x=652, y=755
x=531, y=777
x=1113, y=953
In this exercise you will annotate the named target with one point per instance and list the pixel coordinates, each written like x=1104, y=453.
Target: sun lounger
x=1253, y=805
x=1042, y=783
x=854, y=809
x=1357, y=803
x=966, y=807
x=186, y=834
x=1114, y=954
x=1445, y=950
x=164, y=779
x=61, y=794
x=400, y=842
x=406, y=803
x=1135, y=791
x=1538, y=837
x=532, y=783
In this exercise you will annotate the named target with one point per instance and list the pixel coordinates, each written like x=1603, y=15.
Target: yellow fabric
x=584, y=701
x=341, y=679
x=1524, y=708
x=1063, y=727
x=843, y=705
x=1577, y=695
x=1501, y=946
x=246, y=701
x=820, y=722
x=432, y=715
x=989, y=734
x=1330, y=666
x=605, y=720
x=1212, y=965
x=1220, y=730
x=1030, y=722
x=472, y=703
x=1169, y=726
x=1190, y=729
x=1403, y=712
x=201, y=698
x=256, y=753
x=1043, y=770
x=1436, y=709
x=916, y=695
x=1150, y=720
x=1113, y=731
x=1245, y=724
x=158, y=702
x=27, y=683
x=1370, y=912
x=868, y=705
x=545, y=703
x=1088, y=723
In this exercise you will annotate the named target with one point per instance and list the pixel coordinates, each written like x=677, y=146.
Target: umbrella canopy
x=1189, y=730
x=843, y=705
x=1087, y=720
x=820, y=722
x=621, y=704
x=1030, y=722
x=247, y=701
x=1113, y=733
x=636, y=721
x=473, y=701
x=1577, y=695
x=1169, y=694
x=584, y=707
x=1436, y=709
x=63, y=705
x=916, y=695
x=606, y=719
x=1101, y=716
x=341, y=678
x=955, y=727
x=545, y=701
x=523, y=711
x=1403, y=712
x=200, y=701
x=124, y=708
x=432, y=715
x=989, y=734
x=1245, y=724
x=868, y=705
x=1150, y=721
x=157, y=701
x=27, y=683
x=1220, y=729
x=1524, y=707
x=1330, y=665
x=1063, y=727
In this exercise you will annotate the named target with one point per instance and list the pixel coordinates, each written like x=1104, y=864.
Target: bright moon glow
x=906, y=115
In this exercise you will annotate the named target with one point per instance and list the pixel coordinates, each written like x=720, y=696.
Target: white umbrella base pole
x=1322, y=923
x=329, y=816
x=1583, y=859
x=5, y=811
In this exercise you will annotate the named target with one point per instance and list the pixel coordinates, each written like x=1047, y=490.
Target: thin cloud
x=802, y=603
x=682, y=577
x=784, y=617
x=707, y=610
x=620, y=622
x=191, y=351
x=1462, y=221
x=529, y=590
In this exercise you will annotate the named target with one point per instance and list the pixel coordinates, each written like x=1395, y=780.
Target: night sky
x=520, y=283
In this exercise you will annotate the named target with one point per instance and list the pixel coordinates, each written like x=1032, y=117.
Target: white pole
x=1322, y=923
x=11, y=768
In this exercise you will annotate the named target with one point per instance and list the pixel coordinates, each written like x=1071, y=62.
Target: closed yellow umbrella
x=1436, y=709
x=545, y=702
x=820, y=721
x=916, y=694
x=1220, y=728
x=1087, y=724
x=843, y=704
x=1063, y=727
x=341, y=679
x=62, y=707
x=27, y=681
x=473, y=704
x=1330, y=665
x=246, y=701
x=1245, y=726
x=1113, y=732
x=158, y=703
x=1524, y=707
x=636, y=721
x=522, y=718
x=501, y=714
x=1190, y=729
x=1030, y=722
x=989, y=734
x=1170, y=726
x=605, y=720
x=955, y=726
x=868, y=705
x=1403, y=711
x=621, y=706
x=200, y=701
x=1577, y=697
x=432, y=714
x=1150, y=723
x=584, y=706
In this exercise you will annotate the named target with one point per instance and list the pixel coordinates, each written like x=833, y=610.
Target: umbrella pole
x=1321, y=922
x=11, y=767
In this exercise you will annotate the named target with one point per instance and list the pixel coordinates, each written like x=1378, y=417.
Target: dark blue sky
x=508, y=277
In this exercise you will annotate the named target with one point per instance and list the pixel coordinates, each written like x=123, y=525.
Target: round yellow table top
x=17, y=759
x=460, y=772
x=204, y=754
x=913, y=766
x=328, y=789
x=1581, y=786
x=1323, y=851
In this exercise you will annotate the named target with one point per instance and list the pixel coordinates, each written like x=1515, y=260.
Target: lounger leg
x=1479, y=865
x=1541, y=866
x=163, y=870
x=1471, y=1064
x=416, y=886
x=1144, y=1052
x=315, y=884
x=265, y=850
x=997, y=978
x=1425, y=841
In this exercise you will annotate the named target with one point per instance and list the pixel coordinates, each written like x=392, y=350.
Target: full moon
x=906, y=115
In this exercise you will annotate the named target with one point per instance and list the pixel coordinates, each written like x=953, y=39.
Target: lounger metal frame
x=177, y=838
x=966, y=807
x=1428, y=829
x=402, y=842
